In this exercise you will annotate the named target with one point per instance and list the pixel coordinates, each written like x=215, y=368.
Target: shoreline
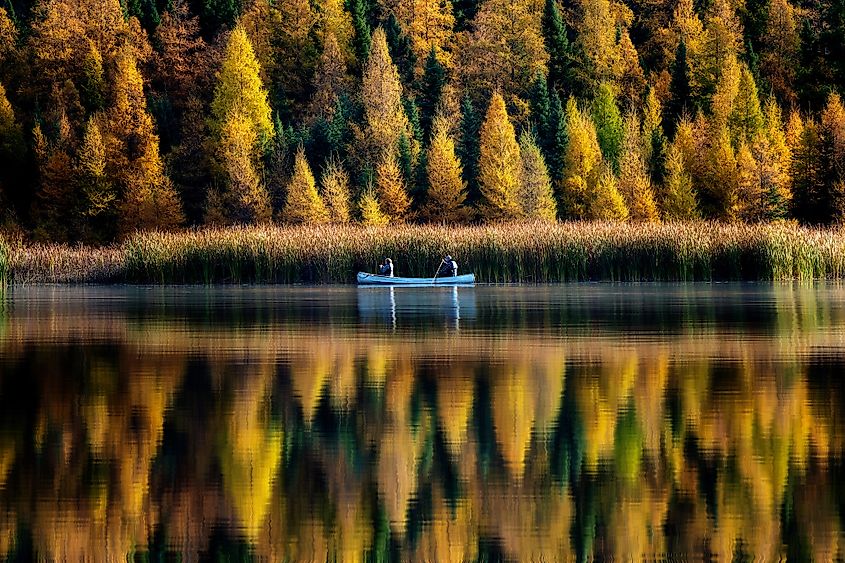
x=506, y=253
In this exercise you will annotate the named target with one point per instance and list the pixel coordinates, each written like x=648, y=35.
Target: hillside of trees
x=120, y=115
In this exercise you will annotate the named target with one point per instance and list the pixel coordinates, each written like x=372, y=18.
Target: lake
x=515, y=423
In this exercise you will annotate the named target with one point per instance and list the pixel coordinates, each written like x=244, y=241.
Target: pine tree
x=330, y=81
x=634, y=183
x=468, y=147
x=303, y=204
x=11, y=146
x=446, y=195
x=680, y=100
x=653, y=138
x=779, y=57
x=678, y=202
x=535, y=196
x=400, y=49
x=362, y=30
x=608, y=122
x=498, y=164
x=391, y=189
x=433, y=81
x=381, y=93
x=557, y=45
x=239, y=89
x=336, y=192
x=557, y=137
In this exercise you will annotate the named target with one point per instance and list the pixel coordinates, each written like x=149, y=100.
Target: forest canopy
x=125, y=115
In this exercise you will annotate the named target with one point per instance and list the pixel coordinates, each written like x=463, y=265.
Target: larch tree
x=330, y=81
x=536, y=197
x=746, y=117
x=429, y=24
x=336, y=192
x=778, y=159
x=722, y=181
x=239, y=88
x=243, y=129
x=749, y=193
x=505, y=50
x=781, y=46
x=244, y=198
x=392, y=192
x=634, y=183
x=99, y=195
x=722, y=41
x=12, y=146
x=608, y=122
x=369, y=208
x=582, y=164
x=303, y=203
x=678, y=202
x=381, y=92
x=832, y=142
x=498, y=164
x=606, y=203
x=148, y=198
x=334, y=20
x=446, y=195
x=54, y=207
x=807, y=175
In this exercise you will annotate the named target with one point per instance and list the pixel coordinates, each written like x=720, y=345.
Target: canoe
x=375, y=279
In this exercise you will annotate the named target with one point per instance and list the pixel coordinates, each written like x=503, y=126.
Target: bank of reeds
x=501, y=253
x=498, y=254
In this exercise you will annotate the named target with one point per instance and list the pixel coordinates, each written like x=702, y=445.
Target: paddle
x=434, y=279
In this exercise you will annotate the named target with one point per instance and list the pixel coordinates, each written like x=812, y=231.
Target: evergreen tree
x=99, y=196
x=362, y=30
x=557, y=137
x=304, y=204
x=330, y=81
x=608, y=122
x=536, y=197
x=401, y=50
x=218, y=13
x=431, y=89
x=557, y=45
x=680, y=99
x=468, y=147
x=446, y=195
x=498, y=164
x=11, y=150
x=808, y=176
x=832, y=140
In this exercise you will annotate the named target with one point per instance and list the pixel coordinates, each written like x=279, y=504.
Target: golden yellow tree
x=392, y=194
x=535, y=187
x=369, y=208
x=303, y=203
x=634, y=183
x=606, y=203
x=335, y=183
x=148, y=197
x=446, y=195
x=581, y=163
x=678, y=202
x=243, y=199
x=505, y=50
x=100, y=197
x=334, y=20
x=330, y=80
x=428, y=23
x=498, y=164
x=381, y=93
x=239, y=88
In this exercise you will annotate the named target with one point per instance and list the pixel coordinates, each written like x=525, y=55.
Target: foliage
x=498, y=164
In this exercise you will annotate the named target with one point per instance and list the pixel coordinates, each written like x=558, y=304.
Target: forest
x=125, y=115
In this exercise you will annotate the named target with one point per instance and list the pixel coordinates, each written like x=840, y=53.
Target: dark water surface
x=682, y=422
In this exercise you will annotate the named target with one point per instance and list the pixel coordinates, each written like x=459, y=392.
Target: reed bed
x=58, y=263
x=506, y=253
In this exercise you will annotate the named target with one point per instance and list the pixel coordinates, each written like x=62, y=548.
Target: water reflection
x=558, y=423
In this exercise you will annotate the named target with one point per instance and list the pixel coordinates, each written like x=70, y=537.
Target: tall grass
x=501, y=253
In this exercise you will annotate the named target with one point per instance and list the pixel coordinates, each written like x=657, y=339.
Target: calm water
x=490, y=423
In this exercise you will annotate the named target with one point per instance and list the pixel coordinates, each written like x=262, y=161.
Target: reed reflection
x=542, y=430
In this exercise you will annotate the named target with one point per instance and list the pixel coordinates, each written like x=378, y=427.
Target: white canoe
x=375, y=279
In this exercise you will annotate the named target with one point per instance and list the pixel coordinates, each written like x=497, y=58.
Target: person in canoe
x=448, y=268
x=386, y=269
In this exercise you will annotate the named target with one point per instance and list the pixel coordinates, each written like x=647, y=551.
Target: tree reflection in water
x=558, y=423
